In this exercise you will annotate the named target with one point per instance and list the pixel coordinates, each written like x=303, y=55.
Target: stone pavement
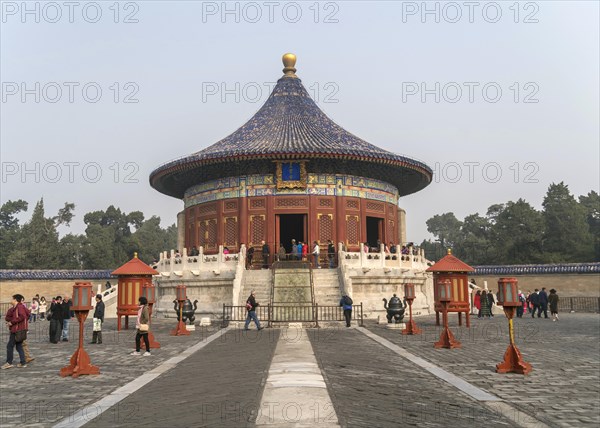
x=222, y=383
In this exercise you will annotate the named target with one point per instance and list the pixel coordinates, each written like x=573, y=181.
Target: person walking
x=346, y=304
x=553, y=301
x=43, y=308
x=534, y=299
x=281, y=254
x=543, y=307
x=485, y=305
x=520, y=308
x=491, y=302
x=56, y=319
x=67, y=315
x=265, y=254
x=305, y=251
x=316, y=251
x=294, y=250
x=143, y=327
x=249, y=257
x=251, y=305
x=98, y=320
x=16, y=320
x=33, y=310
x=477, y=303
x=331, y=254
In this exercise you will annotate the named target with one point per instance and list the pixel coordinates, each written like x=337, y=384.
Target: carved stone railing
x=414, y=260
x=172, y=264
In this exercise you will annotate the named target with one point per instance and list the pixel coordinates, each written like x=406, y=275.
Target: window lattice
x=231, y=231
x=325, y=228
x=212, y=233
x=258, y=229
x=374, y=206
x=230, y=205
x=352, y=205
x=257, y=203
x=291, y=202
x=207, y=209
x=326, y=203
x=352, y=230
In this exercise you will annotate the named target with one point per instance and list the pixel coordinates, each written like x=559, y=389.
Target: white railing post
x=184, y=260
x=172, y=262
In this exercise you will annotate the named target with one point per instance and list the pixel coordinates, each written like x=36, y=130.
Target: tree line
x=110, y=238
x=566, y=230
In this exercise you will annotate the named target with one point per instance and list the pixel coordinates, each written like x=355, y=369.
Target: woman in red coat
x=16, y=320
x=477, y=303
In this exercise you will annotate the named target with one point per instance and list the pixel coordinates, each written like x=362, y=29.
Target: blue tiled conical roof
x=290, y=125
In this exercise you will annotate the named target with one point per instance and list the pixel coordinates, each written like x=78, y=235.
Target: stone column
x=181, y=230
x=401, y=228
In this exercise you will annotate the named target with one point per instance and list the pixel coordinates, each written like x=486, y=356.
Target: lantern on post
x=181, y=295
x=149, y=292
x=409, y=295
x=452, y=268
x=508, y=297
x=80, y=361
x=444, y=296
x=131, y=275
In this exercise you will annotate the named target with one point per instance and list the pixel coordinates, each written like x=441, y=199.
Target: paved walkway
x=226, y=382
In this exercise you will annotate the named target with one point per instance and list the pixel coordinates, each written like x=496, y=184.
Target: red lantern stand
x=131, y=276
x=409, y=295
x=447, y=340
x=80, y=363
x=149, y=292
x=508, y=297
x=180, y=330
x=453, y=269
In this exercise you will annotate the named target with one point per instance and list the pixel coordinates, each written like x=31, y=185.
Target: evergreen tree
x=566, y=233
x=591, y=204
x=37, y=246
x=9, y=228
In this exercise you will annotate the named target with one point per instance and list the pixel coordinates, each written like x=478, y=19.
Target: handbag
x=97, y=324
x=144, y=327
x=21, y=335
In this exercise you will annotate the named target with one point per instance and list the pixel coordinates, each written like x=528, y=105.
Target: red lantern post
x=444, y=296
x=409, y=295
x=149, y=292
x=180, y=330
x=508, y=297
x=80, y=361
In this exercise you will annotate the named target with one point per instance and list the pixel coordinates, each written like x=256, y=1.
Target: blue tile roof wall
x=30, y=274
x=537, y=269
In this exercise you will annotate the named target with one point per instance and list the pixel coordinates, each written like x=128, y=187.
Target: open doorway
x=291, y=226
x=374, y=231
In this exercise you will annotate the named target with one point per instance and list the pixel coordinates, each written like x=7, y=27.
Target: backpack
x=348, y=301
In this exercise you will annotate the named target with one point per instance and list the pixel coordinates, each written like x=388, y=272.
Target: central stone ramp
x=295, y=394
x=292, y=292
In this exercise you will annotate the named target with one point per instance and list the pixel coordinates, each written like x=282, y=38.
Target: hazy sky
x=501, y=99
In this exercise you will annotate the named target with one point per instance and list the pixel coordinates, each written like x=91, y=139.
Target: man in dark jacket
x=331, y=254
x=251, y=305
x=346, y=304
x=56, y=319
x=265, y=254
x=543, y=304
x=98, y=315
x=534, y=299
x=67, y=314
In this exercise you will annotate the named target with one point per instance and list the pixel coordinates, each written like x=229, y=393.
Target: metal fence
x=579, y=304
x=272, y=314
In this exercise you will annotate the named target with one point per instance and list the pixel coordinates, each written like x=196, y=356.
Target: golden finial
x=135, y=255
x=449, y=251
x=289, y=63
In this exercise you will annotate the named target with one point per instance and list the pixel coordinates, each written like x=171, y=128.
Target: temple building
x=290, y=173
